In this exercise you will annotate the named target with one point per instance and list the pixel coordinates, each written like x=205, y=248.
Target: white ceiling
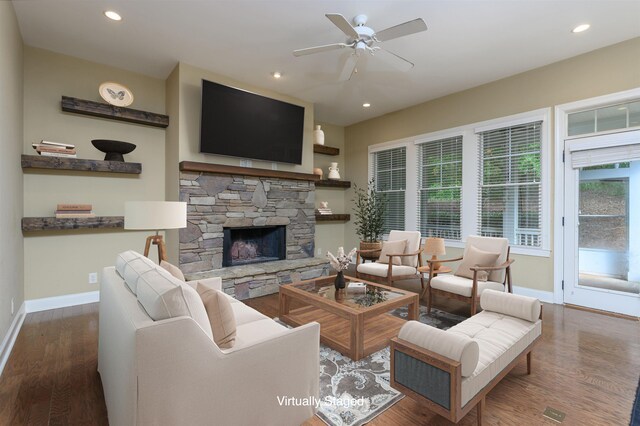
x=468, y=42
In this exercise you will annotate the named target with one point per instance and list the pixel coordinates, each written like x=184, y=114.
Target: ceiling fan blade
x=344, y=25
x=349, y=67
x=401, y=30
x=393, y=59
x=318, y=49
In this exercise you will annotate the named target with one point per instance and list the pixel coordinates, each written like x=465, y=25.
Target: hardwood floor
x=51, y=377
x=587, y=366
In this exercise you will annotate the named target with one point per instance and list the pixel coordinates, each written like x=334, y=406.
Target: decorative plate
x=115, y=94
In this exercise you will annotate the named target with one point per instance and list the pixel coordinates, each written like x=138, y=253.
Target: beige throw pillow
x=392, y=247
x=476, y=257
x=173, y=270
x=220, y=312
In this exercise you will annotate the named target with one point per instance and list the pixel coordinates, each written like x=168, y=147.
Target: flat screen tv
x=242, y=124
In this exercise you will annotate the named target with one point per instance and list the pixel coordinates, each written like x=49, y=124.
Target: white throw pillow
x=455, y=346
x=476, y=257
x=392, y=247
x=162, y=296
x=513, y=305
x=123, y=258
x=131, y=265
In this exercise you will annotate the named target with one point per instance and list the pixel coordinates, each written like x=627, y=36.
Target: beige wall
x=184, y=97
x=190, y=96
x=172, y=174
x=612, y=69
x=11, y=249
x=330, y=235
x=58, y=263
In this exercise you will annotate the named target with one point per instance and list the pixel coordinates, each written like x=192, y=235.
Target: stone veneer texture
x=216, y=201
x=260, y=279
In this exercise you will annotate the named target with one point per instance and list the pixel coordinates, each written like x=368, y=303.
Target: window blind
x=510, y=188
x=390, y=173
x=439, y=188
x=601, y=156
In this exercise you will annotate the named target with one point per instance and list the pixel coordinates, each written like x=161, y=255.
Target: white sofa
x=452, y=371
x=170, y=371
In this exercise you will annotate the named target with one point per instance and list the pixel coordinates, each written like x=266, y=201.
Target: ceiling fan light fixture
x=113, y=15
x=580, y=28
x=363, y=39
x=366, y=105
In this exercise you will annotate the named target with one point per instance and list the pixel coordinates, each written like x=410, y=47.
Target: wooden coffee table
x=354, y=321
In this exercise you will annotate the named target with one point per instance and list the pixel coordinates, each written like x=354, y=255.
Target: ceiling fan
x=362, y=39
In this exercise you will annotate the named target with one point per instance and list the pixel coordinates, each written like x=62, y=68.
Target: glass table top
x=357, y=293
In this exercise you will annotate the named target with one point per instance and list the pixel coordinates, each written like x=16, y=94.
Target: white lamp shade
x=434, y=246
x=155, y=215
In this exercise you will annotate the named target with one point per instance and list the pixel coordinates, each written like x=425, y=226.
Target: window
x=487, y=178
x=604, y=119
x=510, y=192
x=439, y=188
x=390, y=173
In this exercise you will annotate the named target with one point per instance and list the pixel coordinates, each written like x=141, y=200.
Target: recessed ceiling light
x=115, y=16
x=276, y=74
x=366, y=105
x=580, y=28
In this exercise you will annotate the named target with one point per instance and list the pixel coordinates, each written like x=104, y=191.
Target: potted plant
x=369, y=211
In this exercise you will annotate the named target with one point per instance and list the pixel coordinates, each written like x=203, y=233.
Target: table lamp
x=434, y=247
x=155, y=216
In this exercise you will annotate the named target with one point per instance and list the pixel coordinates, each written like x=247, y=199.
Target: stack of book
x=327, y=210
x=65, y=211
x=55, y=149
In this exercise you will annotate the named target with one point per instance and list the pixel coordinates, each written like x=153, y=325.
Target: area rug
x=635, y=411
x=352, y=393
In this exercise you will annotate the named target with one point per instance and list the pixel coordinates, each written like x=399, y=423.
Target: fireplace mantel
x=193, y=166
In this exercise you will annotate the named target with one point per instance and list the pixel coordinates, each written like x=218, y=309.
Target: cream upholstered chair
x=410, y=259
x=469, y=290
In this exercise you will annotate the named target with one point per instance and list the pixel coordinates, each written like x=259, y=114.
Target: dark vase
x=339, y=281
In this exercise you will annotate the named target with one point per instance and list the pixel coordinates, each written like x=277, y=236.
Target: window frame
x=508, y=157
x=470, y=174
x=371, y=172
x=418, y=145
x=561, y=137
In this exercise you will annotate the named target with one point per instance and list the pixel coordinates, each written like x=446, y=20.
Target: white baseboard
x=46, y=303
x=37, y=305
x=543, y=296
x=10, y=337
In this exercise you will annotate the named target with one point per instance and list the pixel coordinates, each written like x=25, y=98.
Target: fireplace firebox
x=242, y=246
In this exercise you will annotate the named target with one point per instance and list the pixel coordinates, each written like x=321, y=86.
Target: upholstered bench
x=452, y=371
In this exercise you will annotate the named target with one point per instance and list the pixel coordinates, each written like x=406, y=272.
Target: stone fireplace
x=255, y=244
x=254, y=228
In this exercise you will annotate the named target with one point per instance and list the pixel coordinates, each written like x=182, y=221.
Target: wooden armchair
x=469, y=290
x=388, y=273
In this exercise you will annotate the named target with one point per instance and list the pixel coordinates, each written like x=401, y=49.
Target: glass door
x=602, y=222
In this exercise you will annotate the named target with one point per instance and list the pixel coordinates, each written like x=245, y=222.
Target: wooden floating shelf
x=326, y=150
x=333, y=217
x=53, y=224
x=192, y=166
x=333, y=183
x=102, y=110
x=79, y=164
